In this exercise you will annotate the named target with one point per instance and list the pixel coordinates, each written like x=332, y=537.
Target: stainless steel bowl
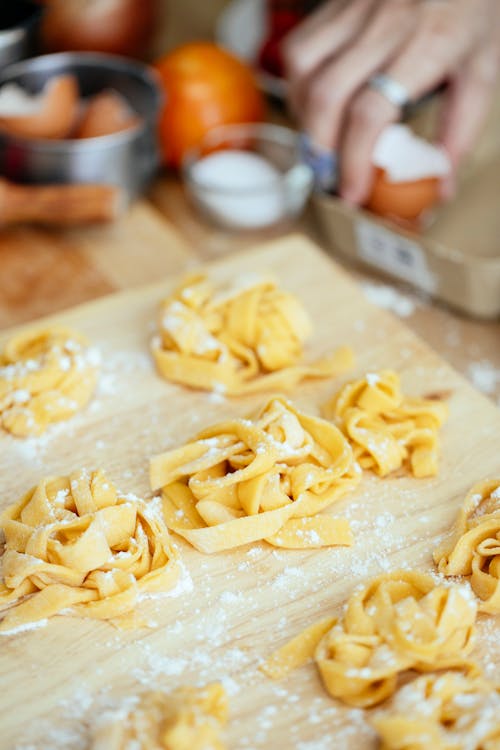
x=18, y=26
x=128, y=159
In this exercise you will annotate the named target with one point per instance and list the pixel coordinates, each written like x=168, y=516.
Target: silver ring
x=391, y=89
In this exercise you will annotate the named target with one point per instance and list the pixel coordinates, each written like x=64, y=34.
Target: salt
x=240, y=188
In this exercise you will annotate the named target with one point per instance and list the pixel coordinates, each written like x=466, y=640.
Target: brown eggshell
x=403, y=200
x=106, y=113
x=56, y=116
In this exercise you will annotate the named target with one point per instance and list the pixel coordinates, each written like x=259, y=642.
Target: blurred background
x=144, y=183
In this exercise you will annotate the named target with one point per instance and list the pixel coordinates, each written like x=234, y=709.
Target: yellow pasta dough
x=387, y=429
x=240, y=339
x=474, y=548
x=399, y=621
x=448, y=711
x=186, y=719
x=75, y=544
x=265, y=478
x=45, y=376
x=298, y=651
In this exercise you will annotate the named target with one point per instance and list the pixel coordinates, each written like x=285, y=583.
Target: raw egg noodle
x=237, y=340
x=189, y=718
x=399, y=621
x=266, y=478
x=75, y=544
x=298, y=651
x=444, y=712
x=474, y=547
x=387, y=429
x=45, y=376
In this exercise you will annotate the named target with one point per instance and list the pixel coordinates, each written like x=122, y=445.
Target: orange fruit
x=204, y=87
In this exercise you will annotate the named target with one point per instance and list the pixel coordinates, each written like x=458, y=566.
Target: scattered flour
x=389, y=298
x=484, y=376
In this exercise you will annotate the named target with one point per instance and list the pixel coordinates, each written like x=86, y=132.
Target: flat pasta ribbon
x=474, y=548
x=186, y=719
x=298, y=651
x=399, y=621
x=267, y=478
x=237, y=340
x=387, y=429
x=74, y=543
x=45, y=376
x=449, y=711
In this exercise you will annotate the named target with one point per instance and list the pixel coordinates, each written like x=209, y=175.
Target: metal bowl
x=128, y=159
x=18, y=26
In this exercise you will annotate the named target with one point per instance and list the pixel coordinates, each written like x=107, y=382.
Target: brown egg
x=106, y=113
x=55, y=115
x=402, y=200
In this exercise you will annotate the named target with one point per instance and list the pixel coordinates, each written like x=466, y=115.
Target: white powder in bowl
x=240, y=188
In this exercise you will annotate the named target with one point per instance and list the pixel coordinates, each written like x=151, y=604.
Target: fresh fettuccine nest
x=240, y=339
x=449, y=711
x=399, y=621
x=186, y=719
x=387, y=429
x=266, y=478
x=474, y=548
x=45, y=376
x=75, y=544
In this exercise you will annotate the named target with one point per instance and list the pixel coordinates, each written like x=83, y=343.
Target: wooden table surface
x=42, y=271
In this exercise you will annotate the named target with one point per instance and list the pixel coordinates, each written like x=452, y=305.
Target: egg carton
x=455, y=257
x=468, y=283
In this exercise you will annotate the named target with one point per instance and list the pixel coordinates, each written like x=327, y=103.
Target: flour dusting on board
x=25, y=627
x=484, y=376
x=389, y=298
x=218, y=626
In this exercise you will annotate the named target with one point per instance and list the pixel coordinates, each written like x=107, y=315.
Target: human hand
x=331, y=57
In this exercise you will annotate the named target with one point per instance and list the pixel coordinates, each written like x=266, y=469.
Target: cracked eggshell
x=408, y=170
x=49, y=114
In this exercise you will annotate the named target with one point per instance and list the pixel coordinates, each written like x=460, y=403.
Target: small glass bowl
x=273, y=204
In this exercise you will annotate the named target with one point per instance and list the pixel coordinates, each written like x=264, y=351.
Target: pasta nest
x=399, y=621
x=237, y=340
x=474, y=548
x=263, y=478
x=387, y=429
x=443, y=712
x=186, y=719
x=74, y=543
x=45, y=376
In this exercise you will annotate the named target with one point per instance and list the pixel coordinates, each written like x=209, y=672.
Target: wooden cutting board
x=239, y=606
x=46, y=270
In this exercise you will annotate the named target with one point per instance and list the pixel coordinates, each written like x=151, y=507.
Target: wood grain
x=43, y=270
x=243, y=603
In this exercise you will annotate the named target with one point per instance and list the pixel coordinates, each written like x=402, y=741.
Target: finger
x=466, y=106
x=437, y=48
x=443, y=39
x=331, y=89
x=319, y=37
x=322, y=35
x=369, y=114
